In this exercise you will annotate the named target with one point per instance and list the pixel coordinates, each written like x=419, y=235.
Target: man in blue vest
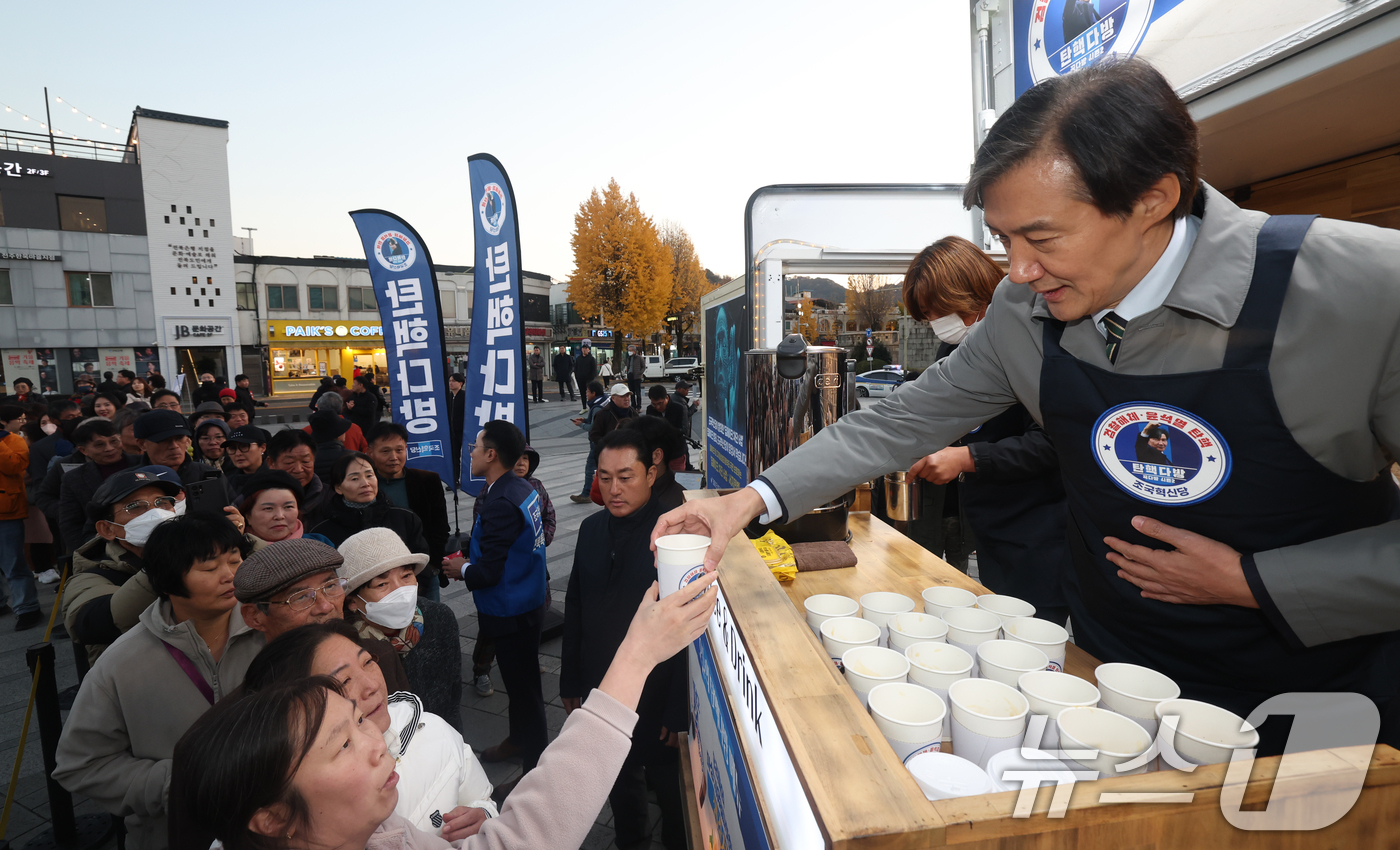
x=506, y=574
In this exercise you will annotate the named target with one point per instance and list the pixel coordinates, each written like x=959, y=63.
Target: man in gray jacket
x=1261, y=559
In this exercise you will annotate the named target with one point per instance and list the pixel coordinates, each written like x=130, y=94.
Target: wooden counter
x=863, y=797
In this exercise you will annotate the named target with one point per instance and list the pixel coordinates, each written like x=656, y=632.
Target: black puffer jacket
x=341, y=521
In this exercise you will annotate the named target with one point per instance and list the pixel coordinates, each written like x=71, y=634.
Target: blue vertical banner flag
x=406, y=289
x=496, y=358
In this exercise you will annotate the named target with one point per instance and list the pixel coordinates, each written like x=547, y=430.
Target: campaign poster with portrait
x=47, y=363
x=86, y=363
x=1161, y=454
x=726, y=414
x=1056, y=37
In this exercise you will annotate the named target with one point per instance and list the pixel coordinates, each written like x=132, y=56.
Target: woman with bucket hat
x=382, y=603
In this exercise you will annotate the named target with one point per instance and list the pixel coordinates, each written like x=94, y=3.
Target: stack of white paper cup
x=910, y=718
x=969, y=628
x=1026, y=760
x=1134, y=692
x=942, y=598
x=1117, y=738
x=1005, y=607
x=842, y=633
x=936, y=666
x=988, y=717
x=1205, y=733
x=1005, y=660
x=680, y=559
x=821, y=607
x=1041, y=634
x=942, y=776
x=880, y=606
x=1050, y=693
x=911, y=627
x=866, y=667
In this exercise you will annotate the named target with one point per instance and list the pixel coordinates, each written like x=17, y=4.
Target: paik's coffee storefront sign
x=338, y=333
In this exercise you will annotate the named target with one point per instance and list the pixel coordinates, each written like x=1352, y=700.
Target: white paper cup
x=821, y=607
x=1005, y=660
x=988, y=717
x=1041, y=634
x=1005, y=607
x=1205, y=733
x=1015, y=760
x=911, y=627
x=866, y=667
x=935, y=666
x=942, y=598
x=969, y=628
x=880, y=606
x=1050, y=693
x=1117, y=738
x=842, y=633
x=680, y=560
x=910, y=718
x=1134, y=691
x=942, y=776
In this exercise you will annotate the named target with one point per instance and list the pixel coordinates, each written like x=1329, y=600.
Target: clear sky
x=334, y=106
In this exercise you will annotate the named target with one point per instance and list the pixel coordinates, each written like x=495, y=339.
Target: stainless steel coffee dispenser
x=794, y=391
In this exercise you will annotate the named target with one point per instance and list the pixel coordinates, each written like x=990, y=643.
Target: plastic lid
x=1012, y=759
x=943, y=776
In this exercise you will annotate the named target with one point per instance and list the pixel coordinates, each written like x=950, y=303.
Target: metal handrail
x=42, y=143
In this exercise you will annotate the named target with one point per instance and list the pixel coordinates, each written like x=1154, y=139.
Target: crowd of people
x=269, y=663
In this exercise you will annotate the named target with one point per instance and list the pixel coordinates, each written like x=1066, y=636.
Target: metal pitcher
x=903, y=496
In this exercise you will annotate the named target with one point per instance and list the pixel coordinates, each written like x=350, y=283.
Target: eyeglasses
x=141, y=505
x=303, y=599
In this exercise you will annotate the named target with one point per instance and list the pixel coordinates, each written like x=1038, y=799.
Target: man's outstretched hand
x=718, y=519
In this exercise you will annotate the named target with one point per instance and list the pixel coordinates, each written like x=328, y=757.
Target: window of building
x=182, y=219
x=196, y=222
x=84, y=214
x=206, y=234
x=89, y=289
x=188, y=210
x=191, y=231
x=281, y=297
x=7, y=295
x=362, y=298
x=211, y=222
x=167, y=219
x=322, y=298
x=172, y=208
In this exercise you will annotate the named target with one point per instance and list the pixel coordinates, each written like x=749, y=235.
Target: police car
x=878, y=383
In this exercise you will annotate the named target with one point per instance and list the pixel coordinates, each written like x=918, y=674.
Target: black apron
x=1258, y=491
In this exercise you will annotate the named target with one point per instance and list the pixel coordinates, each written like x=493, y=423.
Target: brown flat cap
x=279, y=564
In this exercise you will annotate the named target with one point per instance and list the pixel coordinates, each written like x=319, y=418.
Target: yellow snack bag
x=777, y=554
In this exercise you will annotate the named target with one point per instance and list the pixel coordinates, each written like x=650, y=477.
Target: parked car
x=878, y=383
x=682, y=367
x=655, y=367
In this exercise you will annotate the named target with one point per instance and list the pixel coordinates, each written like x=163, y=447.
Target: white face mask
x=138, y=531
x=950, y=328
x=396, y=609
x=49, y=428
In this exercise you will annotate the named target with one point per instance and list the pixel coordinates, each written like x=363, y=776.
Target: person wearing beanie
x=382, y=603
x=209, y=437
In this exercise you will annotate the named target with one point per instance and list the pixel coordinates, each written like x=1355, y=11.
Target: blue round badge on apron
x=1161, y=454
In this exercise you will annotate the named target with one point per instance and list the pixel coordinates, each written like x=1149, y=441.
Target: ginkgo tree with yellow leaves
x=622, y=269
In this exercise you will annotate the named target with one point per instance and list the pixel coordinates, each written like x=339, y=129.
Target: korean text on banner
x=406, y=289
x=496, y=358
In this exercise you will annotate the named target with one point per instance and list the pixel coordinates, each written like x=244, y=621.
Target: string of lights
x=43, y=125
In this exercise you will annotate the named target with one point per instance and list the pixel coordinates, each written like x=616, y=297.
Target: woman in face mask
x=382, y=603
x=1008, y=488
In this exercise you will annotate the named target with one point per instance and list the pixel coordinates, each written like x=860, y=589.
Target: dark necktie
x=1113, y=326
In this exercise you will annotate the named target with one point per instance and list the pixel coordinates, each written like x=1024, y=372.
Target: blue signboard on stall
x=1055, y=37
x=726, y=408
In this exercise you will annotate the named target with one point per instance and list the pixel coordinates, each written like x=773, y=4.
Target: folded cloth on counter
x=827, y=555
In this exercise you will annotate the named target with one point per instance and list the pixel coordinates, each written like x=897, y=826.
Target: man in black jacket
x=564, y=373
x=69, y=484
x=65, y=414
x=165, y=438
x=613, y=569
x=417, y=490
x=585, y=367
x=245, y=395
x=328, y=430
x=456, y=415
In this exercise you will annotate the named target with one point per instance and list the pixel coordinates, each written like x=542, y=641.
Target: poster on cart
x=406, y=288
x=1055, y=37
x=726, y=416
x=496, y=378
